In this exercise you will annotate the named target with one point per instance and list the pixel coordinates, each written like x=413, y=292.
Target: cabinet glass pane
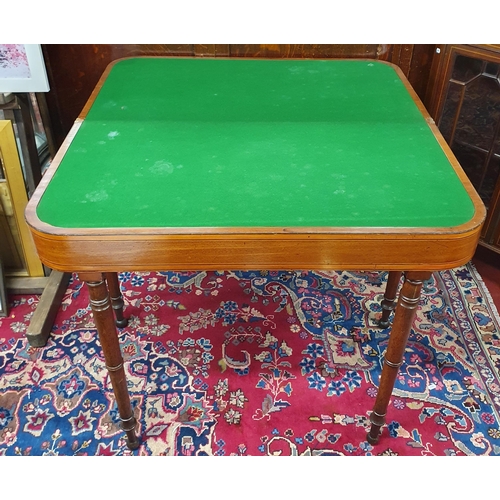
x=470, y=120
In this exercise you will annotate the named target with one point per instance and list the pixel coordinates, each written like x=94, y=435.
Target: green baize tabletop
x=254, y=143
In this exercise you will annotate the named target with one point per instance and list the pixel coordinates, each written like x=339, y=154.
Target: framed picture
x=22, y=68
x=13, y=201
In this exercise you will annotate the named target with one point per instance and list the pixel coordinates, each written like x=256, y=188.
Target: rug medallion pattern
x=257, y=363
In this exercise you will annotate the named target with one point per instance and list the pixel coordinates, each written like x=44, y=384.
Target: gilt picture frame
x=18, y=199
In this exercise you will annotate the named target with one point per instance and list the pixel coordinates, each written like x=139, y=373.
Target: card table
x=240, y=164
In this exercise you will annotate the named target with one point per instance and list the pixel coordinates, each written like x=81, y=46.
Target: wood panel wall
x=73, y=70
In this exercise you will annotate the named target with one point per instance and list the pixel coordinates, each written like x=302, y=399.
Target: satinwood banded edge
x=113, y=253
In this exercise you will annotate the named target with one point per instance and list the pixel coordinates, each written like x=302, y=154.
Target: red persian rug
x=256, y=363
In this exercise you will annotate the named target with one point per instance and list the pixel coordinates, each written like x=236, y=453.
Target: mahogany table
x=207, y=164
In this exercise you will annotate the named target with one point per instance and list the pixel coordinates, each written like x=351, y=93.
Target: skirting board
x=52, y=290
x=26, y=286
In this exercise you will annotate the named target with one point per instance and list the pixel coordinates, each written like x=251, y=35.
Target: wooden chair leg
x=106, y=329
x=409, y=298
x=116, y=299
x=389, y=301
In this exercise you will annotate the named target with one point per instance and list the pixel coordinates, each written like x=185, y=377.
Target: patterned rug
x=257, y=363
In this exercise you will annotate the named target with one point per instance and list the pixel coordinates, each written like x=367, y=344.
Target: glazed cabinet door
x=466, y=107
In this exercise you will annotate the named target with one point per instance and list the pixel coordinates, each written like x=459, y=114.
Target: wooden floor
x=488, y=265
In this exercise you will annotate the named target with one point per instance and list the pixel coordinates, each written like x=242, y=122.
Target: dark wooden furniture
x=464, y=98
x=74, y=69
x=254, y=164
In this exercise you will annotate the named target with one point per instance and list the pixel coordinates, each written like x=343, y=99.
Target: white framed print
x=22, y=68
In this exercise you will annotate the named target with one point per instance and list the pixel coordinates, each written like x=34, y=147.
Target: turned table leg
x=409, y=298
x=389, y=302
x=105, y=324
x=115, y=295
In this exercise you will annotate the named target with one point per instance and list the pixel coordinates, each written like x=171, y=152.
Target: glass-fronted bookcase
x=464, y=100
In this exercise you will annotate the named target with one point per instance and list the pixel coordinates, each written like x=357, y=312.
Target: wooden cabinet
x=464, y=99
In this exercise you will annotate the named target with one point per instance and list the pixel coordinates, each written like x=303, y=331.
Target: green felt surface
x=222, y=143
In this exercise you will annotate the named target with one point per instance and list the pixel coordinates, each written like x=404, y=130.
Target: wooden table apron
x=292, y=164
